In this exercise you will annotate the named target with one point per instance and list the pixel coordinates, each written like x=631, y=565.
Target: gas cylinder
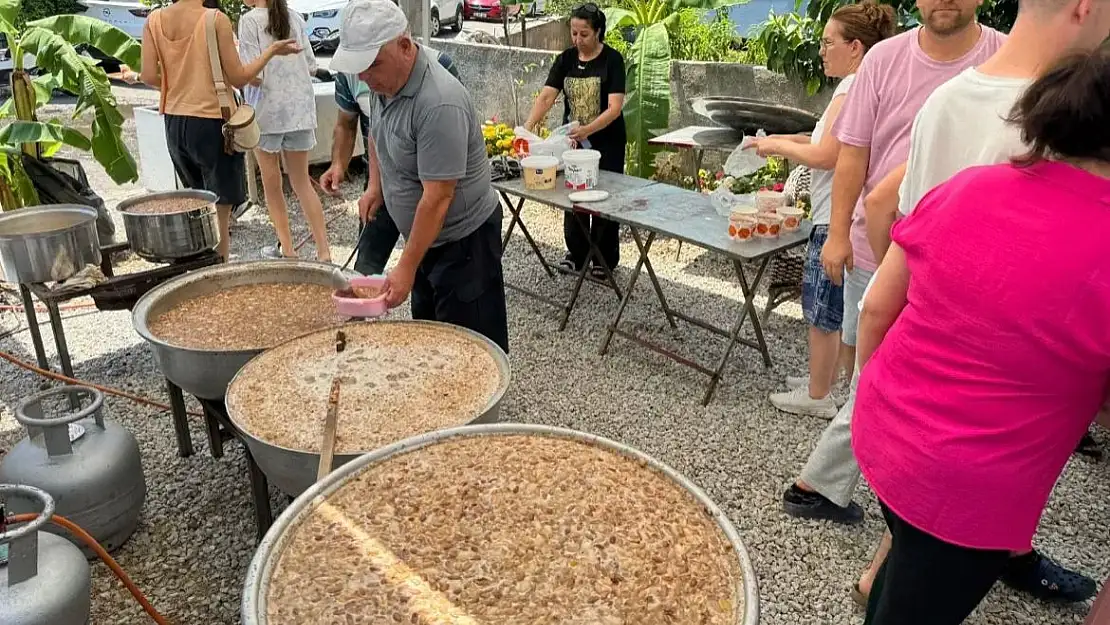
x=90, y=465
x=44, y=579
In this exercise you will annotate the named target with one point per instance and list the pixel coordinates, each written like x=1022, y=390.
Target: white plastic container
x=791, y=217
x=582, y=168
x=539, y=172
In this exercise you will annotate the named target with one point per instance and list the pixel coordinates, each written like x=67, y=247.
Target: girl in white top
x=285, y=107
x=848, y=35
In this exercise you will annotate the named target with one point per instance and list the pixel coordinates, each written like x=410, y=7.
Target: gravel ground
x=197, y=535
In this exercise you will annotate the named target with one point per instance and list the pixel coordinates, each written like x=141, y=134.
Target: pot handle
x=54, y=429
x=208, y=211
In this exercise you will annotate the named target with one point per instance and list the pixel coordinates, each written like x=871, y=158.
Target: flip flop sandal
x=567, y=265
x=858, y=597
x=598, y=273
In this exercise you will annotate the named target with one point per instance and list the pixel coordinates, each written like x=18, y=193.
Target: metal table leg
x=643, y=261
x=180, y=420
x=55, y=315
x=215, y=436
x=33, y=326
x=593, y=254
x=515, y=210
x=746, y=312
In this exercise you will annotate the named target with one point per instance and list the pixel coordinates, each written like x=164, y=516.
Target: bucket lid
x=539, y=162
x=581, y=155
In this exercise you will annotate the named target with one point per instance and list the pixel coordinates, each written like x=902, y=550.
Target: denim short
x=822, y=301
x=295, y=141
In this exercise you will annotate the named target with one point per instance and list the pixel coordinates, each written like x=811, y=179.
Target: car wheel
x=457, y=26
x=433, y=23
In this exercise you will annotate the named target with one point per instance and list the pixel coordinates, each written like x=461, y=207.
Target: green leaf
x=617, y=18
x=80, y=75
x=81, y=29
x=19, y=132
x=705, y=5
x=647, y=105
x=17, y=180
x=9, y=17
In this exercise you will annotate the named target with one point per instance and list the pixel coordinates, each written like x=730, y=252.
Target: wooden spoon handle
x=327, y=446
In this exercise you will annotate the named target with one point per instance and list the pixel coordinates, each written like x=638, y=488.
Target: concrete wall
x=551, y=34
x=496, y=76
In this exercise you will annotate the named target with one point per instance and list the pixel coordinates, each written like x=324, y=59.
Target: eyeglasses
x=828, y=43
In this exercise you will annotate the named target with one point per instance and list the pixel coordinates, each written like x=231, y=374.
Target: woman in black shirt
x=591, y=77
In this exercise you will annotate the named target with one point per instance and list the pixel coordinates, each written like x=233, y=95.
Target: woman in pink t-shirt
x=984, y=357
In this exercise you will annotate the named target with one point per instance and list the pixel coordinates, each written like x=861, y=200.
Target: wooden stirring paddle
x=331, y=421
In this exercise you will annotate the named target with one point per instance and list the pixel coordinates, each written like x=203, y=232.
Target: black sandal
x=598, y=273
x=1046, y=580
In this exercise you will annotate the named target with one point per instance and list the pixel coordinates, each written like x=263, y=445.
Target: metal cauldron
x=257, y=585
x=293, y=470
x=47, y=243
x=166, y=237
x=206, y=373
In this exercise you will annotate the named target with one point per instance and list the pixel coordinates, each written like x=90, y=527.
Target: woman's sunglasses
x=588, y=7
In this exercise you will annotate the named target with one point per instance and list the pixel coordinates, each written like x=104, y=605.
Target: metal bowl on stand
x=47, y=243
x=206, y=373
x=294, y=470
x=167, y=237
x=748, y=116
x=381, y=571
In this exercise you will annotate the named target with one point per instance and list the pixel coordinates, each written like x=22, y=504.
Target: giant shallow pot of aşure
x=205, y=373
x=387, y=565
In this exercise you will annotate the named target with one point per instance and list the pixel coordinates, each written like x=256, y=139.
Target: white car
x=130, y=17
x=322, y=19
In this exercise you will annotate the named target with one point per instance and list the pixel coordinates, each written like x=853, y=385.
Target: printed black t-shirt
x=586, y=87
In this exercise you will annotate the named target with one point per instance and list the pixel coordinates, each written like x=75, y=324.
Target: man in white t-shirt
x=964, y=124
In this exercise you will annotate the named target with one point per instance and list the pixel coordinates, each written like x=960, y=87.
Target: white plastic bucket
x=582, y=168
x=539, y=172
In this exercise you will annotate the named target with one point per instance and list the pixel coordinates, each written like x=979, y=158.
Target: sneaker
x=806, y=505
x=272, y=252
x=240, y=210
x=799, y=402
x=839, y=395
x=1044, y=579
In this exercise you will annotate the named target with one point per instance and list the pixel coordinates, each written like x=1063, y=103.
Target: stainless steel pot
x=257, y=585
x=293, y=470
x=166, y=237
x=206, y=373
x=47, y=243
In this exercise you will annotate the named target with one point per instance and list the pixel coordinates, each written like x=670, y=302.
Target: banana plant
x=53, y=42
x=647, y=104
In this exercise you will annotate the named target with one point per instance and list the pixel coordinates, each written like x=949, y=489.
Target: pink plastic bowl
x=359, y=307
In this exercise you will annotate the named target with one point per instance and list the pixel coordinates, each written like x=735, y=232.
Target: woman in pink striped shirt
x=985, y=354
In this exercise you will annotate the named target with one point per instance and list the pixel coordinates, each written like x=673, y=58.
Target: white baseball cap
x=364, y=27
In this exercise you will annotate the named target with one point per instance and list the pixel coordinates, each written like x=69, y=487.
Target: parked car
x=130, y=17
x=491, y=9
x=322, y=20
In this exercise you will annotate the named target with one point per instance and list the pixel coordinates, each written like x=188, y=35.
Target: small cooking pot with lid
x=171, y=225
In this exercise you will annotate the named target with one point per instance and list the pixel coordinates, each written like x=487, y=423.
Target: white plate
x=591, y=195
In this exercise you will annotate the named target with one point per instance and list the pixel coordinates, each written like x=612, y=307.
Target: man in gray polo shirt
x=428, y=166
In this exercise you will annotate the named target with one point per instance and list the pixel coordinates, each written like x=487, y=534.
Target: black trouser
x=926, y=581
x=461, y=282
x=605, y=233
x=376, y=243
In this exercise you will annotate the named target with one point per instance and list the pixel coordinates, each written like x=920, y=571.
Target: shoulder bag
x=241, y=133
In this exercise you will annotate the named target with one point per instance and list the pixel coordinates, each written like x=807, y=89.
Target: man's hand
x=398, y=284
x=836, y=257
x=368, y=205
x=331, y=178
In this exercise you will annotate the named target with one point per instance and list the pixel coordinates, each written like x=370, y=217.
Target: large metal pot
x=206, y=373
x=47, y=243
x=748, y=115
x=257, y=585
x=166, y=237
x=293, y=470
